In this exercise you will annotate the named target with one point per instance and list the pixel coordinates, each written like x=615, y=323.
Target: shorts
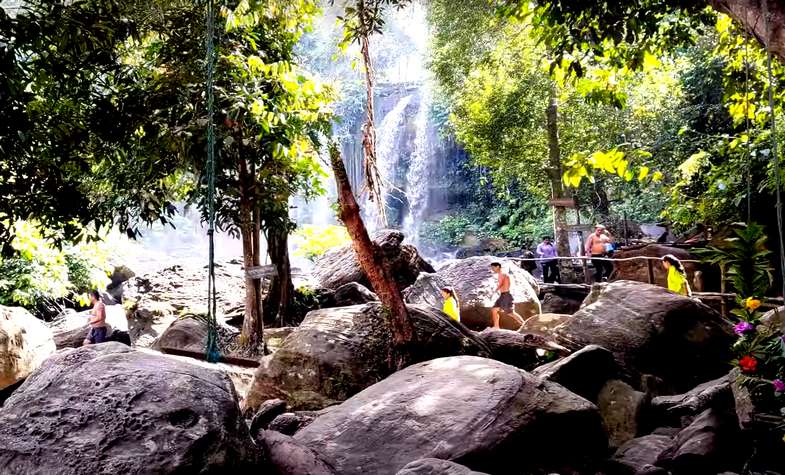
x=504, y=302
x=96, y=335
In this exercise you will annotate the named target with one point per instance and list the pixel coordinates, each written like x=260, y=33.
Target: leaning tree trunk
x=279, y=298
x=557, y=186
x=749, y=13
x=252, y=335
x=372, y=262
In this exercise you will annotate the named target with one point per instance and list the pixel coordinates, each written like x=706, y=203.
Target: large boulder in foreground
x=25, y=342
x=477, y=412
x=431, y=466
x=653, y=331
x=337, y=352
x=111, y=409
x=476, y=285
x=340, y=266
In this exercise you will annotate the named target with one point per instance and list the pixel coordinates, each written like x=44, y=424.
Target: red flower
x=748, y=364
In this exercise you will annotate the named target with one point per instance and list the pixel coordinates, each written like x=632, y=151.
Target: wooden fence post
x=650, y=267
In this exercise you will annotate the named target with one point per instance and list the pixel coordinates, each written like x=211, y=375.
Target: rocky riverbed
x=635, y=381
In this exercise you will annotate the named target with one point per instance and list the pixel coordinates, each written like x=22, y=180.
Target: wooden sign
x=562, y=202
x=268, y=271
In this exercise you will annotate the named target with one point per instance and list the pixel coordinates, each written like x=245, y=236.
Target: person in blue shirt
x=550, y=267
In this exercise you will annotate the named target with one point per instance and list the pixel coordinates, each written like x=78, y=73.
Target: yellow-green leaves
x=612, y=162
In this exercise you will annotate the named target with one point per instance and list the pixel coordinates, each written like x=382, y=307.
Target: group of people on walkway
x=599, y=247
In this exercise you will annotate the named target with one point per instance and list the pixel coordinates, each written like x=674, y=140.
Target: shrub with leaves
x=40, y=276
x=313, y=241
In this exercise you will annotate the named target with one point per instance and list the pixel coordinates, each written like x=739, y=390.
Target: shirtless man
x=97, y=333
x=504, y=302
x=596, y=246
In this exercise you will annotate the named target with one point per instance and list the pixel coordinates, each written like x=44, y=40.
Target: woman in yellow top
x=451, y=306
x=677, y=276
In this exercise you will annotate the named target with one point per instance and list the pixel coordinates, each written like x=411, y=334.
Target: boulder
x=622, y=409
x=638, y=269
x=190, y=334
x=432, y=466
x=25, y=342
x=475, y=285
x=120, y=275
x=707, y=446
x=518, y=349
x=712, y=394
x=545, y=322
x=112, y=409
x=584, y=372
x=353, y=293
x=340, y=266
x=652, y=331
x=268, y=411
x=638, y=456
x=484, y=414
x=337, y=352
x=561, y=304
x=775, y=319
x=290, y=422
x=286, y=456
x=155, y=300
x=70, y=329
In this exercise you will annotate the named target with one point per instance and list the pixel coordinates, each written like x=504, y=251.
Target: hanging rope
x=774, y=151
x=747, y=126
x=212, y=353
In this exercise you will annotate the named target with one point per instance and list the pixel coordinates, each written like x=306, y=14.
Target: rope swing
x=212, y=353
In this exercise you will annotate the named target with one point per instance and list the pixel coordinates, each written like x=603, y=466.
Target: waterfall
x=418, y=176
x=387, y=157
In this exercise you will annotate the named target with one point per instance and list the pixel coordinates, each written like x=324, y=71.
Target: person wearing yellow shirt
x=451, y=306
x=677, y=276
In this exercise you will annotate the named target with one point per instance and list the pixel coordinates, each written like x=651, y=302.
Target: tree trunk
x=372, y=263
x=561, y=235
x=279, y=297
x=749, y=13
x=252, y=334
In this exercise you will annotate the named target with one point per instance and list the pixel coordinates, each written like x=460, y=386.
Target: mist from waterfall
x=387, y=158
x=418, y=176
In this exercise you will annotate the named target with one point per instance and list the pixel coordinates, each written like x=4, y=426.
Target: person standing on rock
x=550, y=266
x=97, y=333
x=451, y=306
x=677, y=275
x=597, y=247
x=504, y=302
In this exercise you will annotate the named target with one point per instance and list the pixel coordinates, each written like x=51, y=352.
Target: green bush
x=40, y=272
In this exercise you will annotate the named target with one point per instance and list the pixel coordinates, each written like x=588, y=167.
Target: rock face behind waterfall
x=340, y=266
x=25, y=342
x=486, y=415
x=475, y=285
x=110, y=409
x=338, y=352
x=652, y=331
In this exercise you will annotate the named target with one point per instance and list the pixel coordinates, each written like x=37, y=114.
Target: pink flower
x=779, y=385
x=743, y=327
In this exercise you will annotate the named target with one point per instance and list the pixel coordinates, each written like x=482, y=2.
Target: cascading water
x=420, y=164
x=387, y=157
